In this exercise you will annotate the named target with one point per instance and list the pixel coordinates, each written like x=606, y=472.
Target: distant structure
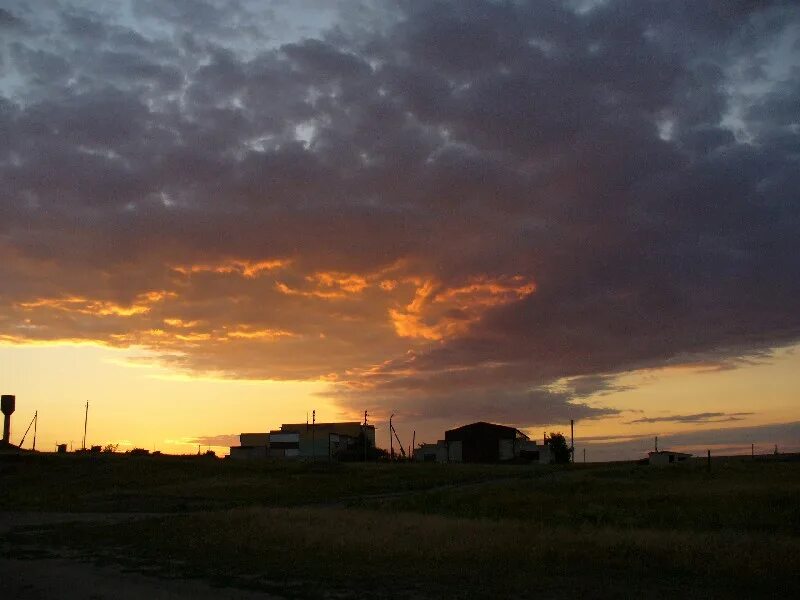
x=483, y=442
x=322, y=441
x=7, y=406
x=666, y=457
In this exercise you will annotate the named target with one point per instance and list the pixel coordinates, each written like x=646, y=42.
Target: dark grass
x=315, y=551
x=739, y=495
x=122, y=483
x=617, y=530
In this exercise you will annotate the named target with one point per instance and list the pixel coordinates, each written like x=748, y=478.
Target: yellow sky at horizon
x=142, y=404
x=139, y=404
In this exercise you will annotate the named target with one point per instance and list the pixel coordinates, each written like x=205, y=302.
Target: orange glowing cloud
x=245, y=268
x=436, y=313
x=248, y=333
x=163, y=339
x=328, y=285
x=102, y=308
x=181, y=323
x=347, y=282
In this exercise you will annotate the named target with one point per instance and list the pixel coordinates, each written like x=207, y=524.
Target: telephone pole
x=365, y=436
x=391, y=440
x=85, y=423
x=313, y=440
x=572, y=440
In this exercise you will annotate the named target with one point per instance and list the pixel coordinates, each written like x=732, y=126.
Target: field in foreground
x=432, y=530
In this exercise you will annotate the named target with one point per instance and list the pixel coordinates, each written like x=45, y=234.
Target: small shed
x=667, y=457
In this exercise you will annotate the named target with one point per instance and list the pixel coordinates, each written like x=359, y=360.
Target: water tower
x=7, y=405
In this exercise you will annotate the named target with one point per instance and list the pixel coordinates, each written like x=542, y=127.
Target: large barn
x=483, y=442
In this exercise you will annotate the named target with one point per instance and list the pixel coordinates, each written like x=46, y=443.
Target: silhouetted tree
x=559, y=448
x=355, y=452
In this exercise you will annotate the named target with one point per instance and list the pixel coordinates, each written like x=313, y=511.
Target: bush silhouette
x=559, y=448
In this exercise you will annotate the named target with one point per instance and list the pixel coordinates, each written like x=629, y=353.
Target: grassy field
x=429, y=531
x=121, y=483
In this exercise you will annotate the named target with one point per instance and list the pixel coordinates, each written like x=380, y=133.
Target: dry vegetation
x=611, y=531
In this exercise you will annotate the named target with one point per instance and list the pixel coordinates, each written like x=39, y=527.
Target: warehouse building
x=667, y=457
x=303, y=440
x=483, y=442
x=252, y=445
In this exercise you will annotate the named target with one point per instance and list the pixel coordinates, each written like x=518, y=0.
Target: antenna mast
x=391, y=441
x=33, y=420
x=399, y=443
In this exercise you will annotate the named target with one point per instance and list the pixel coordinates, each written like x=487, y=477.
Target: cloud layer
x=447, y=206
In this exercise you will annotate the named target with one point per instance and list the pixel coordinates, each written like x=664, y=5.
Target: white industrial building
x=303, y=440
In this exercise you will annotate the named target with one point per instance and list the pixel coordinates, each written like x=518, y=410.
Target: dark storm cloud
x=8, y=20
x=633, y=165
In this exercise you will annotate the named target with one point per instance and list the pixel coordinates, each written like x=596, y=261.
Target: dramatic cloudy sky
x=523, y=212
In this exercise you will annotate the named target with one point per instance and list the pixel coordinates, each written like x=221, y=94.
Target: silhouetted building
x=437, y=452
x=483, y=442
x=667, y=457
x=304, y=440
x=252, y=445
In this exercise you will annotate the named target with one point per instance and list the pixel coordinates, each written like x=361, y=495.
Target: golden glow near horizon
x=134, y=402
x=140, y=404
x=753, y=394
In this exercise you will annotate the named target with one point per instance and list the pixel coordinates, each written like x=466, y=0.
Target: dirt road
x=72, y=579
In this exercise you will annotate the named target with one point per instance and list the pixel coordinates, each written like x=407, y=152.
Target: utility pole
x=85, y=423
x=35, y=425
x=572, y=440
x=313, y=440
x=584, y=455
x=391, y=440
x=413, y=444
x=365, y=436
x=753, y=450
x=656, y=443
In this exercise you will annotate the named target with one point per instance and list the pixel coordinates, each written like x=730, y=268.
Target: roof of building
x=297, y=426
x=483, y=425
x=668, y=452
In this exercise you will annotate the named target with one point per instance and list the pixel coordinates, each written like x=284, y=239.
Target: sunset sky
x=216, y=216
